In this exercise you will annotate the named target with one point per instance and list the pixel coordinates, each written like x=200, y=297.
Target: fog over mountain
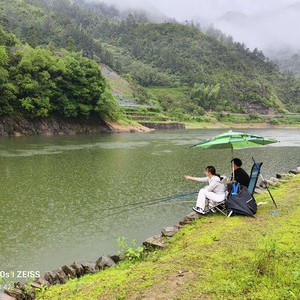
x=270, y=30
x=269, y=25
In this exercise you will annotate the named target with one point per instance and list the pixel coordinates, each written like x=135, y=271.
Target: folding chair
x=212, y=206
x=255, y=172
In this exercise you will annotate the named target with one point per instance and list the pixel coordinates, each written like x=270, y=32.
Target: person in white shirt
x=214, y=191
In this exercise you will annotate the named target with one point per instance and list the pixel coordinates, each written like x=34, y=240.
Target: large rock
x=274, y=179
x=26, y=288
x=35, y=286
x=54, y=277
x=90, y=268
x=104, y=262
x=258, y=190
x=62, y=276
x=116, y=258
x=69, y=271
x=170, y=231
x=294, y=171
x=6, y=297
x=270, y=182
x=189, y=219
x=41, y=282
x=77, y=266
x=156, y=241
x=16, y=294
x=282, y=175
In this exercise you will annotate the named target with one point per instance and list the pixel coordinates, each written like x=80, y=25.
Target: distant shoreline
x=20, y=126
x=238, y=125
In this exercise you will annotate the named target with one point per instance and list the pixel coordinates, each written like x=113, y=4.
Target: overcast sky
x=266, y=24
x=183, y=9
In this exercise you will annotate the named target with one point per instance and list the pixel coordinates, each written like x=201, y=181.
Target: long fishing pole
x=131, y=206
x=160, y=200
x=176, y=196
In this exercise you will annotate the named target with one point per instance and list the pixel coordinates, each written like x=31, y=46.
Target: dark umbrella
x=241, y=203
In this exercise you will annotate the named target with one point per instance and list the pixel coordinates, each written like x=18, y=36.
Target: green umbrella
x=234, y=140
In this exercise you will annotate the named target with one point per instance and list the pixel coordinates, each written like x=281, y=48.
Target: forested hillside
x=44, y=81
x=211, y=73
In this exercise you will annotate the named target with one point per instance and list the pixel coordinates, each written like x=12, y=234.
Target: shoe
x=198, y=210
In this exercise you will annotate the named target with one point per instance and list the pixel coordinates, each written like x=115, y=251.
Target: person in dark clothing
x=239, y=174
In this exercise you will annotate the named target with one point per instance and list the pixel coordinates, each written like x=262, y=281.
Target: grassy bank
x=214, y=258
x=202, y=125
x=213, y=119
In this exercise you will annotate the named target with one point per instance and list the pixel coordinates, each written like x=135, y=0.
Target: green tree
x=80, y=86
x=108, y=107
x=35, y=87
x=5, y=87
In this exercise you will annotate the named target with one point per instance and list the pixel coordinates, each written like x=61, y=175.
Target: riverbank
x=213, y=258
x=149, y=126
x=20, y=126
x=227, y=125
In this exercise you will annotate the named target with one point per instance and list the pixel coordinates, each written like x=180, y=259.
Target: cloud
x=258, y=23
x=269, y=29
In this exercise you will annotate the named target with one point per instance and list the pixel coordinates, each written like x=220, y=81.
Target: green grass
x=214, y=258
x=167, y=96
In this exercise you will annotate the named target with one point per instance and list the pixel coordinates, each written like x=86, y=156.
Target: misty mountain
x=211, y=73
x=268, y=31
x=120, y=11
x=233, y=16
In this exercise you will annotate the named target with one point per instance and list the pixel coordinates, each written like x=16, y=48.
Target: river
x=67, y=198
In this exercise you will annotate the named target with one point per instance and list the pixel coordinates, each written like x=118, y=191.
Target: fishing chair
x=213, y=207
x=255, y=172
x=222, y=207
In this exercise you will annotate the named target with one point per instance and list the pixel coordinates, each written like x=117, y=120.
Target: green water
x=69, y=198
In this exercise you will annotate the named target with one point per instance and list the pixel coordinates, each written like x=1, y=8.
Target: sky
x=265, y=24
x=215, y=8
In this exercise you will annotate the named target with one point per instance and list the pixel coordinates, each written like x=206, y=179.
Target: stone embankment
x=78, y=269
x=163, y=126
x=20, y=126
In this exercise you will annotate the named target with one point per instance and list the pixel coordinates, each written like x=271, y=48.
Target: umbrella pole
x=232, y=164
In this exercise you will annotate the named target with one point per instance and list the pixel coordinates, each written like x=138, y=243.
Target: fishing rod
x=176, y=196
x=160, y=200
x=157, y=201
x=131, y=206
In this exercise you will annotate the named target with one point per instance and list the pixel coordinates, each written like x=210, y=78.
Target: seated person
x=215, y=190
x=239, y=174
